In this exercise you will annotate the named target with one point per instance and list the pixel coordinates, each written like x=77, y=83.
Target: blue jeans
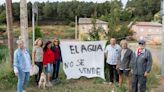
x=23, y=78
x=56, y=67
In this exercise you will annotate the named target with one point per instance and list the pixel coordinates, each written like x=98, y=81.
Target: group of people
x=46, y=58
x=122, y=61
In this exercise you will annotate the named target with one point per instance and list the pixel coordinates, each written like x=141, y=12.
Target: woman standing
x=22, y=65
x=48, y=60
x=123, y=65
x=57, y=51
x=37, y=57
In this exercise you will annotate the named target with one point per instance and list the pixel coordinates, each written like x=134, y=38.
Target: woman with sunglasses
x=57, y=52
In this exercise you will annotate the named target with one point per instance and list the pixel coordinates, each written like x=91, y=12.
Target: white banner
x=83, y=59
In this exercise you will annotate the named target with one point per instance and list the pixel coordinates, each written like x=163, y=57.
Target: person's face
x=21, y=45
x=113, y=41
x=40, y=42
x=124, y=45
x=56, y=42
x=49, y=46
x=141, y=46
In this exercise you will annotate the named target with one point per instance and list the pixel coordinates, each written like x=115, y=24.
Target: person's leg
x=27, y=77
x=116, y=74
x=110, y=73
x=120, y=77
x=126, y=74
x=36, y=76
x=134, y=83
x=21, y=76
x=40, y=66
x=50, y=74
x=40, y=69
x=54, y=71
x=57, y=69
x=48, y=71
x=142, y=82
x=128, y=84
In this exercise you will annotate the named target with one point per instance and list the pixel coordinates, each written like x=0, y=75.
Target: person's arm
x=106, y=52
x=33, y=56
x=131, y=59
x=149, y=62
x=44, y=59
x=61, y=59
x=119, y=56
x=118, y=60
x=15, y=64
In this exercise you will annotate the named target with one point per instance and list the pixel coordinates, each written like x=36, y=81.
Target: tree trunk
x=9, y=20
x=24, y=22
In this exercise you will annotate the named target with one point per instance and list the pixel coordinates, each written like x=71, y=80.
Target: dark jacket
x=54, y=50
x=127, y=58
x=142, y=63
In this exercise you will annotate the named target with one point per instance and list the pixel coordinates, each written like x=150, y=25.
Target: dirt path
x=160, y=88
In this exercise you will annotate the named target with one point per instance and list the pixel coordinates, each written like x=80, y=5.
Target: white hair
x=20, y=40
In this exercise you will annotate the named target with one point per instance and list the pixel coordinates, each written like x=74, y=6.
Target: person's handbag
x=34, y=70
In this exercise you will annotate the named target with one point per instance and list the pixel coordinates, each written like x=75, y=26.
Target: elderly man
x=141, y=66
x=112, y=51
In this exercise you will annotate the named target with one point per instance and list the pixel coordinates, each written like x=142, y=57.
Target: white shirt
x=112, y=54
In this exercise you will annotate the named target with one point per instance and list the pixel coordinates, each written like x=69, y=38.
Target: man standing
x=112, y=51
x=141, y=66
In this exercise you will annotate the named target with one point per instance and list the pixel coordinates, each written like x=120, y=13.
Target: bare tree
x=9, y=19
x=24, y=22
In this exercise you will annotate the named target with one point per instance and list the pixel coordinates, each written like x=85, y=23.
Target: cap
x=141, y=42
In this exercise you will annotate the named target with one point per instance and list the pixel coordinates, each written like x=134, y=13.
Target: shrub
x=72, y=24
x=38, y=33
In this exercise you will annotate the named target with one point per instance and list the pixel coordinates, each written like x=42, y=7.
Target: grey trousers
x=138, y=80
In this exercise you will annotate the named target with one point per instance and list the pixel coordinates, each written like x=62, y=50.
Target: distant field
x=49, y=31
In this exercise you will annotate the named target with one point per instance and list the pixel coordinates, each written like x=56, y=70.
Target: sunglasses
x=141, y=43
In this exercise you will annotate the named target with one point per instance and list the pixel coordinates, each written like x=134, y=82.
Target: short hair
x=20, y=40
x=37, y=40
x=124, y=41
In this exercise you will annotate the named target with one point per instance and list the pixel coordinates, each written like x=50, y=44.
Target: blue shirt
x=22, y=60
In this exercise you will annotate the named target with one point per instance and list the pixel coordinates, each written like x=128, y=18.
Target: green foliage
x=16, y=11
x=94, y=32
x=157, y=17
x=72, y=24
x=2, y=16
x=38, y=33
x=144, y=9
x=122, y=33
x=4, y=52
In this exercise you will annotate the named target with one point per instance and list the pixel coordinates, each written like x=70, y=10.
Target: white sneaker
x=24, y=91
x=112, y=90
x=110, y=83
x=49, y=84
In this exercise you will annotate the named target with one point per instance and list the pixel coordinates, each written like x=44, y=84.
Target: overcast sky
x=99, y=1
